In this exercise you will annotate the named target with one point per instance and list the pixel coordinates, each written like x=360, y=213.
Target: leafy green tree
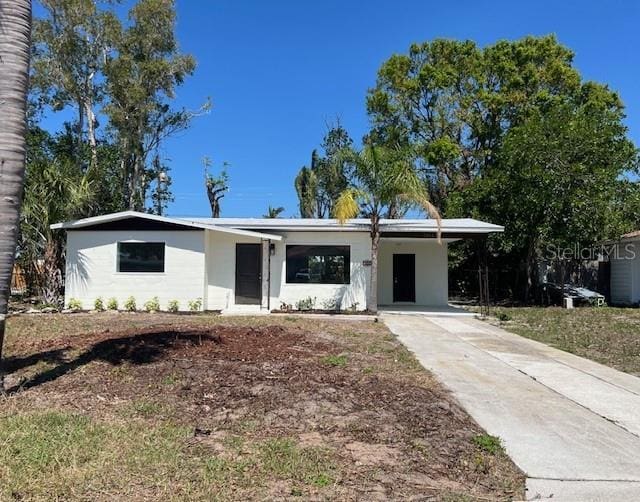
x=274, y=212
x=424, y=99
x=512, y=134
x=381, y=176
x=320, y=185
x=70, y=46
x=141, y=79
x=306, y=184
x=557, y=182
x=106, y=179
x=331, y=170
x=126, y=73
x=453, y=102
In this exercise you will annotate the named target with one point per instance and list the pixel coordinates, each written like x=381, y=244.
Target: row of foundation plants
x=130, y=305
x=328, y=306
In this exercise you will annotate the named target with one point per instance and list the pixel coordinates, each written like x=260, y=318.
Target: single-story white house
x=258, y=264
x=624, y=260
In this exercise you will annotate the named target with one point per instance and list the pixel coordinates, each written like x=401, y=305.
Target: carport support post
x=562, y=281
x=483, y=277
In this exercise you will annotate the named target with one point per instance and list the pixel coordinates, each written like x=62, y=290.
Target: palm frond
x=421, y=199
x=432, y=211
x=383, y=176
x=347, y=206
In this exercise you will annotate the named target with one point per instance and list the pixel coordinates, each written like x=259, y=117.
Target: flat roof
x=451, y=225
x=256, y=227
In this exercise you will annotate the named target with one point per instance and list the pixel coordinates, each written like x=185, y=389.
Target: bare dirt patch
x=280, y=407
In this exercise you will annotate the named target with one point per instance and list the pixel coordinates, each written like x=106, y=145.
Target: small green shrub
x=332, y=360
x=286, y=307
x=173, y=306
x=305, y=303
x=488, y=443
x=112, y=304
x=130, y=304
x=330, y=304
x=503, y=316
x=152, y=305
x=195, y=305
x=75, y=304
x=98, y=304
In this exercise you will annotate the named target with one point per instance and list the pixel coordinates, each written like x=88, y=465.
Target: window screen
x=318, y=264
x=141, y=257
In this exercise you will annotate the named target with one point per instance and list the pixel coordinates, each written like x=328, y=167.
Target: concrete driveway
x=573, y=426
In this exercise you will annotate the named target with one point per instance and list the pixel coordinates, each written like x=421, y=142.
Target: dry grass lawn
x=198, y=407
x=610, y=336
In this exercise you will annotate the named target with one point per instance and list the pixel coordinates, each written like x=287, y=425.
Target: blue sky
x=278, y=71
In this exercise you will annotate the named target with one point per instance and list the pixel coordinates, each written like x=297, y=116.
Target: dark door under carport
x=404, y=277
x=248, y=274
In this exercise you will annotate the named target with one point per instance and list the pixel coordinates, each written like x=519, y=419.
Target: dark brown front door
x=404, y=278
x=248, y=274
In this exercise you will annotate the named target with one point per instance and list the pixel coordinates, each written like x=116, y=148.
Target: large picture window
x=318, y=264
x=140, y=256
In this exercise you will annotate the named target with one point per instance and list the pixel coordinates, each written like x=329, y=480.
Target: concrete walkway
x=572, y=425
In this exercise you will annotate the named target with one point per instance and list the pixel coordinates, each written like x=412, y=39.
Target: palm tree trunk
x=372, y=297
x=15, y=43
x=51, y=270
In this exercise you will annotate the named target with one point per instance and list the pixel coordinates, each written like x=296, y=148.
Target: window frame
x=347, y=264
x=143, y=272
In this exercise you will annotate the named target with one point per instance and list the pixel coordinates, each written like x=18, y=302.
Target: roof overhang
x=451, y=229
x=97, y=221
x=456, y=228
x=449, y=236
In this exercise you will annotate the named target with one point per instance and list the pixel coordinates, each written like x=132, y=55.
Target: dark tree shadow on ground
x=137, y=349
x=15, y=363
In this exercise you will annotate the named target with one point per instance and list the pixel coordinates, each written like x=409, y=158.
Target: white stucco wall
x=431, y=270
x=201, y=264
x=346, y=295
x=91, y=269
x=625, y=275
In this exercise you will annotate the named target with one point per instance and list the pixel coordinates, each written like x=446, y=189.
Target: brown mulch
x=397, y=433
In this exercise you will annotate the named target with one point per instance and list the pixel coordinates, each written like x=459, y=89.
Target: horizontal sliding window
x=140, y=256
x=318, y=264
